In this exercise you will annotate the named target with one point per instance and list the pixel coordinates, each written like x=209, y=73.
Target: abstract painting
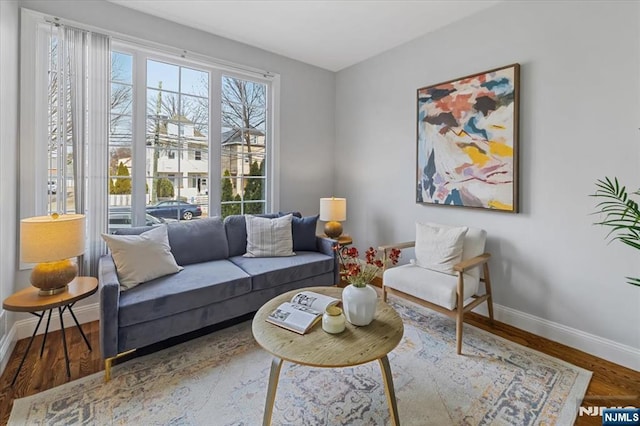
x=468, y=140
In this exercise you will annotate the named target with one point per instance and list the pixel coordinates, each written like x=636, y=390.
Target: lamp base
x=53, y=277
x=333, y=229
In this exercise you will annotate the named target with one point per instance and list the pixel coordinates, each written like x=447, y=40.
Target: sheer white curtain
x=87, y=78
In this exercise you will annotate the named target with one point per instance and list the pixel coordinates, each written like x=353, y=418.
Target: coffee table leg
x=274, y=376
x=388, y=388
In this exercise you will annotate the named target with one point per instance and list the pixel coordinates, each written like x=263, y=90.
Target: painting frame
x=467, y=137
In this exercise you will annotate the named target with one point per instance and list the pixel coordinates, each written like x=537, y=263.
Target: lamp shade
x=333, y=209
x=51, y=238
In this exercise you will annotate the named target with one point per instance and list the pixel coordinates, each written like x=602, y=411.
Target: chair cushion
x=267, y=272
x=432, y=286
x=439, y=247
x=140, y=258
x=197, y=285
x=269, y=237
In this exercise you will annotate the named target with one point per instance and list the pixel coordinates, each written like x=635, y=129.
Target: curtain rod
x=183, y=53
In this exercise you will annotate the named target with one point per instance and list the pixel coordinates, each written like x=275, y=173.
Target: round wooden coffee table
x=354, y=346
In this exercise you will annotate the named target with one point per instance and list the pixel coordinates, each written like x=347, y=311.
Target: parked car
x=121, y=218
x=175, y=209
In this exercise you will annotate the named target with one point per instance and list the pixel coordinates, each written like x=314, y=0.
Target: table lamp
x=333, y=210
x=50, y=241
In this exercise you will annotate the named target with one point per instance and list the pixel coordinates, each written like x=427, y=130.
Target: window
x=244, y=146
x=172, y=123
x=175, y=159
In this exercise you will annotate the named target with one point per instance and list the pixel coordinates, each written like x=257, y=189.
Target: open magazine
x=304, y=310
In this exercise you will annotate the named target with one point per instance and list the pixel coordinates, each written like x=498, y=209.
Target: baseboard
x=618, y=353
x=6, y=348
x=24, y=328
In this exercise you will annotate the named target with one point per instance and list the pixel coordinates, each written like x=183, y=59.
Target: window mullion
x=139, y=146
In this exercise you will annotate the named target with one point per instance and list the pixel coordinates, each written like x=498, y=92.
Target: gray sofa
x=216, y=284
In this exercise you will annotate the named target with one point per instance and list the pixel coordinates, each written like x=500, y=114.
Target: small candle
x=333, y=320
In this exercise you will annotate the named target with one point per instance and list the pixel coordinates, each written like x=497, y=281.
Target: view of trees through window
x=176, y=157
x=60, y=178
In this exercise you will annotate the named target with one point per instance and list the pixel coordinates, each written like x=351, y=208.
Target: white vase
x=359, y=304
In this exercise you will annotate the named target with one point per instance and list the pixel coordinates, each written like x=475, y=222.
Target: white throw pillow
x=269, y=237
x=141, y=258
x=439, y=247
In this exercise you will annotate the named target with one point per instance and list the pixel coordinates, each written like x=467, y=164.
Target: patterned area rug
x=221, y=379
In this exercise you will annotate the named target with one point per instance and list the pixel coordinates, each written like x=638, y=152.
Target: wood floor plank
x=611, y=384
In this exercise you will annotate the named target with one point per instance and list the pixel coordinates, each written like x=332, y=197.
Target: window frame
x=140, y=56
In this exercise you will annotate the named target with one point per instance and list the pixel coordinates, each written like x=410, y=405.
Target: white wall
x=8, y=161
x=580, y=113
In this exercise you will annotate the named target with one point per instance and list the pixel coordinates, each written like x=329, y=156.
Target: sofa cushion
x=193, y=241
x=425, y=284
x=267, y=272
x=236, y=229
x=197, y=285
x=198, y=240
x=269, y=237
x=303, y=231
x=140, y=258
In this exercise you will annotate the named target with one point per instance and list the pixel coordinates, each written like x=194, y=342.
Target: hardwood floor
x=611, y=384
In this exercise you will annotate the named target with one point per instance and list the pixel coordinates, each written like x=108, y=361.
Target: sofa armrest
x=329, y=246
x=109, y=291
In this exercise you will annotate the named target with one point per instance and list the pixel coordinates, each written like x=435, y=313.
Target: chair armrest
x=109, y=292
x=328, y=246
x=397, y=245
x=471, y=263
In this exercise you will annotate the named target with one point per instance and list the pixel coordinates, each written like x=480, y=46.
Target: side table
x=343, y=240
x=28, y=300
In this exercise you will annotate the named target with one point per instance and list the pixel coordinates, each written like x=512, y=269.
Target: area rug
x=221, y=379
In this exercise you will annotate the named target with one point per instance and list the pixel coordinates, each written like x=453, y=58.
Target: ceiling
x=331, y=34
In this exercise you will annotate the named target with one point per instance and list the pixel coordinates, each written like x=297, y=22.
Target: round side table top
x=354, y=346
x=28, y=299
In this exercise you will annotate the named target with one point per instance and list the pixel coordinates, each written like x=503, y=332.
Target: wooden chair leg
x=384, y=293
x=460, y=313
x=487, y=284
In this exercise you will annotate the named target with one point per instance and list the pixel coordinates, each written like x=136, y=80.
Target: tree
x=253, y=190
x=123, y=183
x=243, y=109
x=164, y=188
x=227, y=195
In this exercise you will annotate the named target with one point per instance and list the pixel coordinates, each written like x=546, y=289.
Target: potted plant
x=359, y=298
x=621, y=214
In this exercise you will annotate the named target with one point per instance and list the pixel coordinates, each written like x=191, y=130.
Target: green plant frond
x=633, y=281
x=630, y=242
x=621, y=214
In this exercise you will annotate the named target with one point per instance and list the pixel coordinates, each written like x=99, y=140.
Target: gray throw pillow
x=269, y=237
x=142, y=258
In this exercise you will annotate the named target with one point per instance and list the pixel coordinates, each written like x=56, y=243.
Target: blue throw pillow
x=303, y=231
